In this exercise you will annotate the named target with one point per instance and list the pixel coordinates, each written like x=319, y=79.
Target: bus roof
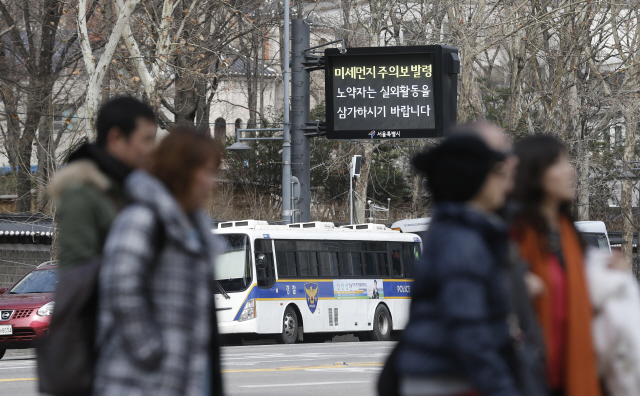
x=324, y=230
x=595, y=227
x=412, y=225
x=315, y=225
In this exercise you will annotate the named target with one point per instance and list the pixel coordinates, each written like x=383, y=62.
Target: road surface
x=335, y=368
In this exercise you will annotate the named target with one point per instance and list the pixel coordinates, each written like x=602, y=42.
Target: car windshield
x=233, y=268
x=595, y=240
x=40, y=281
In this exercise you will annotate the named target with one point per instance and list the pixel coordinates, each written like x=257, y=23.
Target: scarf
x=581, y=374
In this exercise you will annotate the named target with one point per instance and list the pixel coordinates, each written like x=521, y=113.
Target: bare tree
x=96, y=72
x=35, y=53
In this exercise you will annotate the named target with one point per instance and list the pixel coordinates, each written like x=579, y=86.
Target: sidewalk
x=20, y=354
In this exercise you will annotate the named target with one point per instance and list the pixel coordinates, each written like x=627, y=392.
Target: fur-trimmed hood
x=92, y=165
x=78, y=172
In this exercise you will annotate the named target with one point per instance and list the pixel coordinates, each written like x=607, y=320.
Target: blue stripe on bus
x=393, y=288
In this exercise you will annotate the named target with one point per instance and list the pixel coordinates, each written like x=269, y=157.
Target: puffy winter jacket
x=457, y=326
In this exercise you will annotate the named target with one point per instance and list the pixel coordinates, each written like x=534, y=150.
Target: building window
x=618, y=137
x=238, y=125
x=220, y=128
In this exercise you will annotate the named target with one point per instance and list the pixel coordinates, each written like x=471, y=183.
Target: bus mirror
x=261, y=262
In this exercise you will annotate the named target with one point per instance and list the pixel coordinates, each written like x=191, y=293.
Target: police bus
x=309, y=280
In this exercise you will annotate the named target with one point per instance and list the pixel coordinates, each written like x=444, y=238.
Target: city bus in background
x=412, y=225
x=310, y=281
x=594, y=234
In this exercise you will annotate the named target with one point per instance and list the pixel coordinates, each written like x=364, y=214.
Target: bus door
x=266, y=273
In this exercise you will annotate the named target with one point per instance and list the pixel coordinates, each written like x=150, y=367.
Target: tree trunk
x=185, y=102
x=583, y=183
x=416, y=196
x=97, y=71
x=361, y=187
x=43, y=153
x=626, y=201
x=23, y=204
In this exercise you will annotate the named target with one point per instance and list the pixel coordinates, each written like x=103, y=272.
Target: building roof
x=240, y=66
x=26, y=228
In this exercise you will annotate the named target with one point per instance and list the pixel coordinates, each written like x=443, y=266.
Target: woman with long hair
x=157, y=326
x=543, y=228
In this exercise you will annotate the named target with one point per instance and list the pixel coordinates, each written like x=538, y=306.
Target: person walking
x=457, y=341
x=157, y=321
x=543, y=228
x=89, y=189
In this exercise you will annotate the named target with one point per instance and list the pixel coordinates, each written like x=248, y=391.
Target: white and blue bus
x=314, y=279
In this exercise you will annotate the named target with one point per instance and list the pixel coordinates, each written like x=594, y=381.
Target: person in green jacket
x=89, y=189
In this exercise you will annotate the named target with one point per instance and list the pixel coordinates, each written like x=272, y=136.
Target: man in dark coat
x=89, y=188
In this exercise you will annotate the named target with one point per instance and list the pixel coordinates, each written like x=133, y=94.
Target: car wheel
x=382, y=325
x=289, y=327
x=2, y=351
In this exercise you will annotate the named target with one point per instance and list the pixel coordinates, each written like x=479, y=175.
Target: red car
x=26, y=307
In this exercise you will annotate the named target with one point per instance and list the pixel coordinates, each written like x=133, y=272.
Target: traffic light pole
x=300, y=93
x=286, y=145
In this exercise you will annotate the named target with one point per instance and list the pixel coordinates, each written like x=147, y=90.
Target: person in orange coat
x=549, y=242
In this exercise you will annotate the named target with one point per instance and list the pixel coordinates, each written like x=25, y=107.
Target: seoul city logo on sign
x=311, y=290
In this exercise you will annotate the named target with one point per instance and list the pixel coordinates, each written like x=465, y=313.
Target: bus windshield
x=233, y=267
x=595, y=240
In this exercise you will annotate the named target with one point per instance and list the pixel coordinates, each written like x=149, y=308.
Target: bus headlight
x=249, y=311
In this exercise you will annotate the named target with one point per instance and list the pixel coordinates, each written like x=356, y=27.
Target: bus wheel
x=2, y=351
x=382, y=325
x=289, y=327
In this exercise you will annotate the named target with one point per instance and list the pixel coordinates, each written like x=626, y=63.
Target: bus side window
x=396, y=260
x=286, y=258
x=328, y=263
x=409, y=259
x=356, y=259
x=308, y=264
x=266, y=276
x=371, y=267
x=307, y=257
x=383, y=262
x=344, y=262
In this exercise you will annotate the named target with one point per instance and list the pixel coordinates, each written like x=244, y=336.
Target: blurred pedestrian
x=549, y=242
x=90, y=189
x=457, y=341
x=522, y=284
x=157, y=319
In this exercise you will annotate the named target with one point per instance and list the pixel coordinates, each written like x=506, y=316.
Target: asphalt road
x=334, y=368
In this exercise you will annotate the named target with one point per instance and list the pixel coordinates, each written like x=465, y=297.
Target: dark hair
x=180, y=155
x=471, y=128
x=457, y=168
x=123, y=113
x=537, y=154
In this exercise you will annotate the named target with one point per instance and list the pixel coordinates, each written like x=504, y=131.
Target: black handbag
x=67, y=355
x=525, y=362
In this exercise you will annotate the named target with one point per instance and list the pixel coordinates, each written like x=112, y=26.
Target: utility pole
x=286, y=144
x=354, y=174
x=300, y=93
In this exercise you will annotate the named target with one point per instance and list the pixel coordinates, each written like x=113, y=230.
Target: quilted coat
x=157, y=327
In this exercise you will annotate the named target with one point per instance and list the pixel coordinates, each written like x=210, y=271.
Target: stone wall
x=18, y=259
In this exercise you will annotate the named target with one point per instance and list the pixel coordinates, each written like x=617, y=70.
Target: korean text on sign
x=361, y=72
